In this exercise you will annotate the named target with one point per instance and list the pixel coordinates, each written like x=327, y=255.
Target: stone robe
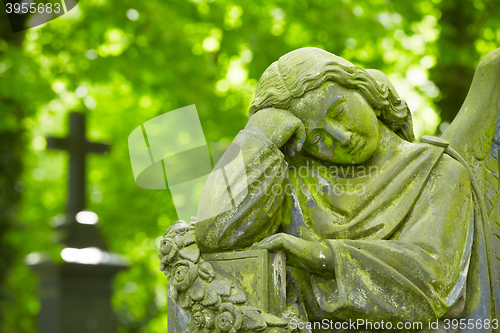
x=401, y=234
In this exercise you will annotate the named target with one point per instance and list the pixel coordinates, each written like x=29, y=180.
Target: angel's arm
x=240, y=201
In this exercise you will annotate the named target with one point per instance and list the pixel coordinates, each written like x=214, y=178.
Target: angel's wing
x=475, y=135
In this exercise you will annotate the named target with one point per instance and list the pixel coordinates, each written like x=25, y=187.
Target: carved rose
x=169, y=249
x=229, y=319
x=202, y=320
x=209, y=318
x=184, y=273
x=176, y=243
x=199, y=319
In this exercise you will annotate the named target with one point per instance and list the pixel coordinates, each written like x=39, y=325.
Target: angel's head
x=339, y=103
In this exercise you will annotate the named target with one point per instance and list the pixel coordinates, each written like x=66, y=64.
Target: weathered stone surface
x=374, y=225
x=243, y=289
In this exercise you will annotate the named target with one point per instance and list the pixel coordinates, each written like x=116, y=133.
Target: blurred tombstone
x=75, y=295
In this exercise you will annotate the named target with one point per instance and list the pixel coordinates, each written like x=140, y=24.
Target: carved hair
x=306, y=69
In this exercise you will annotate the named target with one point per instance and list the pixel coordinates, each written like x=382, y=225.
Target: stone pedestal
x=260, y=275
x=75, y=297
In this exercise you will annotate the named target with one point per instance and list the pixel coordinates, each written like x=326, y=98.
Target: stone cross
x=78, y=146
x=75, y=294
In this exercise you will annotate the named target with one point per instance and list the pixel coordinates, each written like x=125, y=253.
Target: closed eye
x=339, y=110
x=315, y=139
x=336, y=109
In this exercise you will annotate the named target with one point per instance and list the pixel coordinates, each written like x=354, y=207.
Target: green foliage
x=16, y=72
x=125, y=62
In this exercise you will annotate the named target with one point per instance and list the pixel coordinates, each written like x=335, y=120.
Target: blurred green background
x=125, y=62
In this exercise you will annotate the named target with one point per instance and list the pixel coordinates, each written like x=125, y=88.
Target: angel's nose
x=340, y=135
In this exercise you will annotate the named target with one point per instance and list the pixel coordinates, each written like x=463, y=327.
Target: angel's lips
x=355, y=144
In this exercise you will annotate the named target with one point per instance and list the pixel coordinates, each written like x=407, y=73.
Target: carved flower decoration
x=209, y=318
x=169, y=249
x=178, y=241
x=199, y=319
x=184, y=273
x=209, y=299
x=202, y=319
x=229, y=319
x=206, y=271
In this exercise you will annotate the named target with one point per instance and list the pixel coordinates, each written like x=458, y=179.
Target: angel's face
x=341, y=126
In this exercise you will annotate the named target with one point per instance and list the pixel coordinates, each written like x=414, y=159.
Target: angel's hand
x=280, y=127
x=313, y=256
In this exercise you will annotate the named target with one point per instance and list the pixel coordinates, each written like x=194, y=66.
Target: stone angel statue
x=374, y=225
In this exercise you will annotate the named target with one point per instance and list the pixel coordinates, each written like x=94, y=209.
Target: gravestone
x=247, y=287
x=75, y=295
x=378, y=229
